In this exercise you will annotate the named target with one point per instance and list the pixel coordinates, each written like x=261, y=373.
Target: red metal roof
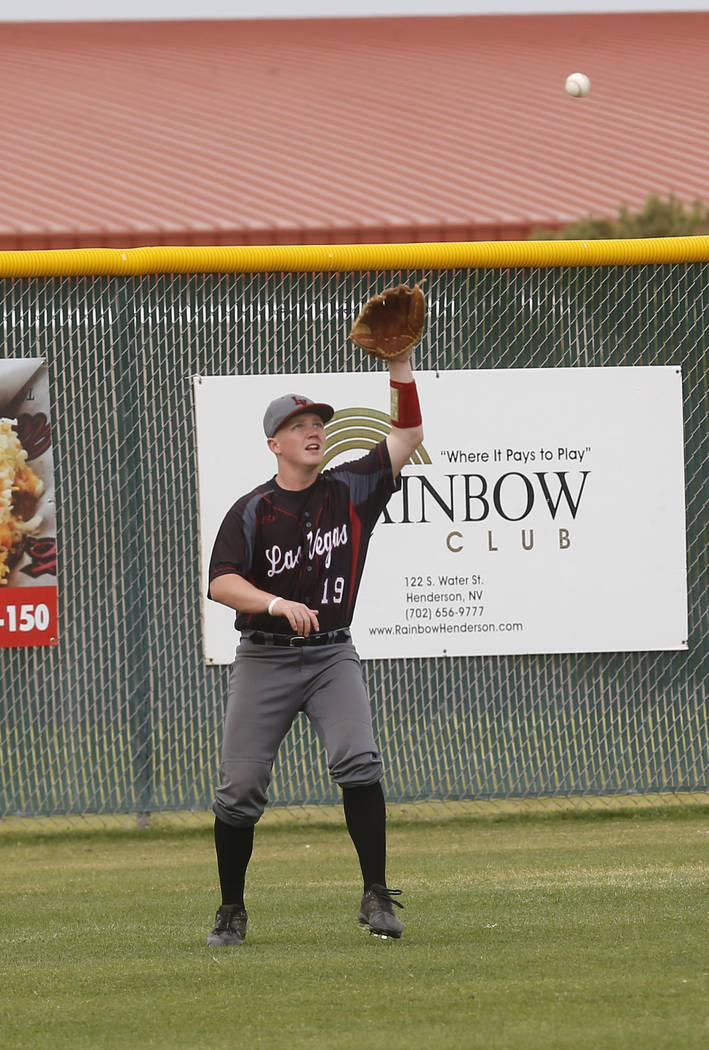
x=344, y=130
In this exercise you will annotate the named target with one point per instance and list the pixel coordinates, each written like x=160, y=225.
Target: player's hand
x=302, y=619
x=403, y=358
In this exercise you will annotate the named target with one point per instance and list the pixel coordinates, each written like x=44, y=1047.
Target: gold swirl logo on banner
x=360, y=429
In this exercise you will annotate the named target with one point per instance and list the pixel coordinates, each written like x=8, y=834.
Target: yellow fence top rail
x=343, y=258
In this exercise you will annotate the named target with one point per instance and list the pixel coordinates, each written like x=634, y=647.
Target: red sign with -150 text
x=28, y=616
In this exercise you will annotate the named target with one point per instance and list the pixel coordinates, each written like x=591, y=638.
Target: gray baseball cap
x=283, y=408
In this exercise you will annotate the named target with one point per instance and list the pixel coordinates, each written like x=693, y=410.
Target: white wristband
x=271, y=604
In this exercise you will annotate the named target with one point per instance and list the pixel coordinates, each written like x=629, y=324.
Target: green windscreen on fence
x=123, y=715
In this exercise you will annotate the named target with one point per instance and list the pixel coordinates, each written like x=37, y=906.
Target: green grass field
x=533, y=933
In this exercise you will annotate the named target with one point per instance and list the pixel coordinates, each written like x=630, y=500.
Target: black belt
x=297, y=640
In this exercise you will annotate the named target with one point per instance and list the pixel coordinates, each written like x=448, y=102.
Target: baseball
x=578, y=85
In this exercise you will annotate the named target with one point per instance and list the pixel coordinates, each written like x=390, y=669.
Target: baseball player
x=288, y=558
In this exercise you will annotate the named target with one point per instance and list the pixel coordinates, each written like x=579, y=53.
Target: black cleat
x=377, y=913
x=229, y=927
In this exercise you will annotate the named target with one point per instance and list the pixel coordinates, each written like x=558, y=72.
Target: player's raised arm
x=388, y=326
x=406, y=425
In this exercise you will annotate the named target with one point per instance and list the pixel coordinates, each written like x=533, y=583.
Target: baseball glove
x=391, y=322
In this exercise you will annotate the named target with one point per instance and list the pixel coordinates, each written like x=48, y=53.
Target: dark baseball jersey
x=307, y=546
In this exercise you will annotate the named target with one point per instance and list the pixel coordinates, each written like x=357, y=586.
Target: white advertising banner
x=543, y=513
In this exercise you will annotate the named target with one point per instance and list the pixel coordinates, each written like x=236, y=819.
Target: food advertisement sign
x=28, y=544
x=544, y=511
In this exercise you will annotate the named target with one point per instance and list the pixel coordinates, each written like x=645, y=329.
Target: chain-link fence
x=124, y=716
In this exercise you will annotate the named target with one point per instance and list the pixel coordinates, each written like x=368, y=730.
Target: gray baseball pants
x=268, y=687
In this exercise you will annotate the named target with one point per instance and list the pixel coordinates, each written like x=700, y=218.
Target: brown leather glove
x=391, y=322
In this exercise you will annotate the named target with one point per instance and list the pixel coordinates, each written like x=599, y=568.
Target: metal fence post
x=132, y=434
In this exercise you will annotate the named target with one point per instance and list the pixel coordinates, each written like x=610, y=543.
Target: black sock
x=365, y=815
x=234, y=846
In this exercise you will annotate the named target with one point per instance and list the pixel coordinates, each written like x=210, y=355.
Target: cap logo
x=300, y=401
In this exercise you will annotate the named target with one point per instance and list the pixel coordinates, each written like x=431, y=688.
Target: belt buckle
x=296, y=640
